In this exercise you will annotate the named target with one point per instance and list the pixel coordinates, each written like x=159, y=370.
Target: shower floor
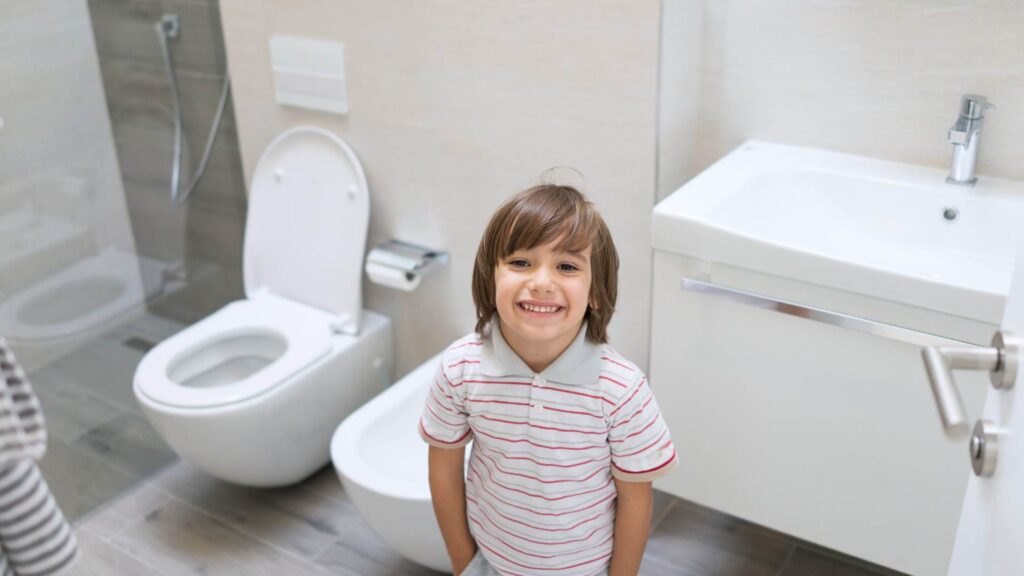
x=99, y=444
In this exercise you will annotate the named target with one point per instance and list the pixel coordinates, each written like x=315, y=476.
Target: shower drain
x=140, y=344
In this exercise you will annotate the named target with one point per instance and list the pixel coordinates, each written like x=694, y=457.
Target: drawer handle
x=839, y=319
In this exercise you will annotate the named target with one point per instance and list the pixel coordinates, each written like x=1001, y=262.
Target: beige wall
x=679, y=90
x=456, y=105
x=879, y=79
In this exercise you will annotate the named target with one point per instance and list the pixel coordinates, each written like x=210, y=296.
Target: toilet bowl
x=52, y=316
x=382, y=463
x=251, y=393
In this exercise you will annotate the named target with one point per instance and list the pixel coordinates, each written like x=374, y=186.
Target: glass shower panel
x=68, y=266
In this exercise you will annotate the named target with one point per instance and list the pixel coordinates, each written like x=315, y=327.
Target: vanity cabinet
x=822, y=432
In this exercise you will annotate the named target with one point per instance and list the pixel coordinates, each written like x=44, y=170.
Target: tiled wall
x=456, y=105
x=879, y=79
x=206, y=233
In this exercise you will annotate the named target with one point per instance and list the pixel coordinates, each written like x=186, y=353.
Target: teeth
x=533, y=308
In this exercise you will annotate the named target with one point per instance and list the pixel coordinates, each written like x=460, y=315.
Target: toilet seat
x=305, y=331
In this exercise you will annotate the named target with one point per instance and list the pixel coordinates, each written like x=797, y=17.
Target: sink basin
x=881, y=229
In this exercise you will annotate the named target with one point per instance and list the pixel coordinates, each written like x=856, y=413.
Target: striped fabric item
x=35, y=538
x=22, y=429
x=547, y=448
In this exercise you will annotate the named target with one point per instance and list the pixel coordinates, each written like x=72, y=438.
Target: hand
x=459, y=565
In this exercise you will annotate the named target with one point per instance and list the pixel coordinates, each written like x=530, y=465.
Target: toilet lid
x=305, y=233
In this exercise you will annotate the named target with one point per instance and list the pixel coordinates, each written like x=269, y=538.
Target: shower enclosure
x=103, y=252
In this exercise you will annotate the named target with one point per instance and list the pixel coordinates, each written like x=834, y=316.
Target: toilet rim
x=306, y=337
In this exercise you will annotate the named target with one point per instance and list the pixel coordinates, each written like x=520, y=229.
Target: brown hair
x=534, y=217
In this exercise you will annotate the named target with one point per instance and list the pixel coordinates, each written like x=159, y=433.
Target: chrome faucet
x=964, y=138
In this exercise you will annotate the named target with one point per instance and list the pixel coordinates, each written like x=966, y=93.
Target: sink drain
x=950, y=213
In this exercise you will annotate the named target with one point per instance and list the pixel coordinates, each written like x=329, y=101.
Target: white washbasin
x=855, y=224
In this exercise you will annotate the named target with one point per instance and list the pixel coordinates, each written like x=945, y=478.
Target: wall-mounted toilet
x=252, y=393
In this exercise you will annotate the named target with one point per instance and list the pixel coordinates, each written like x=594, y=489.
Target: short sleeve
x=641, y=447
x=445, y=422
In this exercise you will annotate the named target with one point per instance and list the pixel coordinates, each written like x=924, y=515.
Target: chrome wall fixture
x=964, y=136
x=168, y=28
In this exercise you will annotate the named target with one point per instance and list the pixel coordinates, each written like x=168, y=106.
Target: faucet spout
x=964, y=136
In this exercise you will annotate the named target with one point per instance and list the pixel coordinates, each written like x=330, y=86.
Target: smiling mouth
x=551, y=309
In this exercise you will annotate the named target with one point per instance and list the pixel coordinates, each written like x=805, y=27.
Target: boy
x=567, y=433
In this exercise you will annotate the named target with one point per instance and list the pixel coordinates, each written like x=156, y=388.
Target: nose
x=541, y=280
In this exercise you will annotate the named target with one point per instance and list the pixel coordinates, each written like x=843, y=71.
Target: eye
x=568, y=267
x=518, y=263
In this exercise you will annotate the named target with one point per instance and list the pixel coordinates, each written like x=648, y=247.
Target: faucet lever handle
x=974, y=106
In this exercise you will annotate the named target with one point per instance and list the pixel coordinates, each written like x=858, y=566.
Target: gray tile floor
x=99, y=444
x=141, y=511
x=182, y=521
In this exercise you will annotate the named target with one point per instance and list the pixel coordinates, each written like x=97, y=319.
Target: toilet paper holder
x=402, y=265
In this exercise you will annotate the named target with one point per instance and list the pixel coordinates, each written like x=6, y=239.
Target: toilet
x=382, y=463
x=252, y=393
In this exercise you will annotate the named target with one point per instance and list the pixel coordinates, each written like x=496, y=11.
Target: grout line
x=789, y=558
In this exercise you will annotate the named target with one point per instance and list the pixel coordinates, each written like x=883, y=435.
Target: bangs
x=540, y=220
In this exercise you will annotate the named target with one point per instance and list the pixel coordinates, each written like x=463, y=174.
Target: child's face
x=542, y=295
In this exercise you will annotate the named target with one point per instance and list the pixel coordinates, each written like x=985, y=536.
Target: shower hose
x=165, y=30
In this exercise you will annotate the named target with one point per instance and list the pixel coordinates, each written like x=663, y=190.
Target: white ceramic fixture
x=252, y=392
x=856, y=224
x=382, y=462
x=792, y=291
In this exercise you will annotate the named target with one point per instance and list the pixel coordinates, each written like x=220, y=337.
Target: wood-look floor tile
x=360, y=552
x=180, y=539
x=125, y=510
x=79, y=480
x=299, y=520
x=100, y=376
x=128, y=443
x=808, y=562
x=68, y=410
x=100, y=558
x=326, y=483
x=693, y=540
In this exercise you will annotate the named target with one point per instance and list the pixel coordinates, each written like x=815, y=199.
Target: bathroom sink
x=885, y=230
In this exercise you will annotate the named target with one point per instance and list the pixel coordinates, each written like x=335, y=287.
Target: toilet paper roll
x=392, y=277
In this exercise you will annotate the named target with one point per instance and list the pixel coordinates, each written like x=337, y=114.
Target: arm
x=632, y=523
x=448, y=493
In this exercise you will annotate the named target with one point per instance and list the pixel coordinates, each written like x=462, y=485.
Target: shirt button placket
x=535, y=403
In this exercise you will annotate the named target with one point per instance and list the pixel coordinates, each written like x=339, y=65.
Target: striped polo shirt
x=539, y=489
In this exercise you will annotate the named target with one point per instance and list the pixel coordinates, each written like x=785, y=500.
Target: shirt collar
x=579, y=364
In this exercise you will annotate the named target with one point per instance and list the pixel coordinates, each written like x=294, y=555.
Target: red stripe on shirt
x=613, y=381
x=618, y=363
x=540, y=445
x=532, y=425
x=655, y=469
x=427, y=434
